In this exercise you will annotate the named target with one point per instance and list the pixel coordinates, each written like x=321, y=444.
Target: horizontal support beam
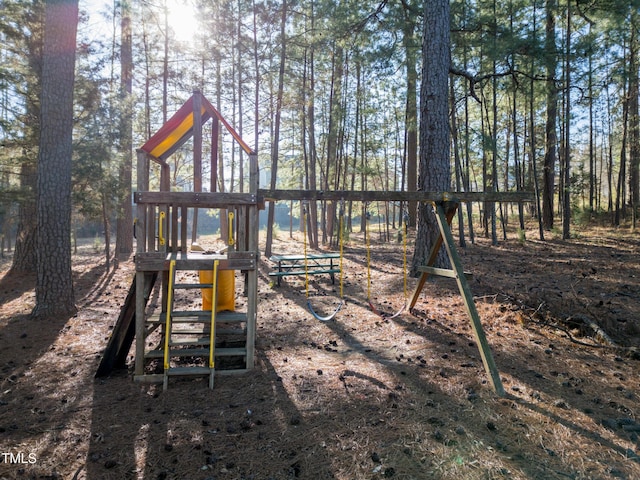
x=389, y=196
x=196, y=199
x=441, y=272
x=157, y=261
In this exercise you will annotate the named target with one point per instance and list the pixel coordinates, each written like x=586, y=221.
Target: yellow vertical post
x=167, y=328
x=161, y=218
x=212, y=329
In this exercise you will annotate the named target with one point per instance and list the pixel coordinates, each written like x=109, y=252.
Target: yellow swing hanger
x=306, y=264
x=404, y=227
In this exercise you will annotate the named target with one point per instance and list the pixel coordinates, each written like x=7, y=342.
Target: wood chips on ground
x=358, y=397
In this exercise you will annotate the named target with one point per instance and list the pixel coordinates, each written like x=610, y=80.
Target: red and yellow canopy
x=179, y=128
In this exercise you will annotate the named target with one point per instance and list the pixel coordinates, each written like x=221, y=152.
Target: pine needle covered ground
x=359, y=397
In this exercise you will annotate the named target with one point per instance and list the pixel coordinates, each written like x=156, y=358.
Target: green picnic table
x=316, y=264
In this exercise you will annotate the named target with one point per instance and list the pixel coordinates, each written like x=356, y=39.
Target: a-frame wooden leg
x=445, y=212
x=485, y=352
x=450, y=213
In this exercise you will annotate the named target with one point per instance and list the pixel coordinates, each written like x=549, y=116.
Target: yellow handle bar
x=231, y=215
x=160, y=228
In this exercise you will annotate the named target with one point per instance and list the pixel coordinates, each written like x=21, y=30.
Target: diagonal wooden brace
x=445, y=212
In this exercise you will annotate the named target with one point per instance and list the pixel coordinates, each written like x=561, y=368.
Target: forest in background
x=543, y=98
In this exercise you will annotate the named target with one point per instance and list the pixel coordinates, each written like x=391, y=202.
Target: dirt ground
x=358, y=397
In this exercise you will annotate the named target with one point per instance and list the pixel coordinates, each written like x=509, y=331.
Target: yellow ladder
x=168, y=353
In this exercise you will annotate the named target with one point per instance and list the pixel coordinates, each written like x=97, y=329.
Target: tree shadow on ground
x=192, y=432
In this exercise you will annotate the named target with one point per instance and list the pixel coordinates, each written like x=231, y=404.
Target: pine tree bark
x=276, y=135
x=124, y=223
x=54, y=282
x=634, y=121
x=411, y=112
x=566, y=193
x=24, y=256
x=435, y=168
x=550, y=156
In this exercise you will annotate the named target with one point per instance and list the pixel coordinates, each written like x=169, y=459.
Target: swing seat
x=388, y=315
x=320, y=317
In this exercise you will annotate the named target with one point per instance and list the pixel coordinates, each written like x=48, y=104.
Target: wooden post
x=252, y=275
x=165, y=186
x=451, y=211
x=197, y=159
x=444, y=221
x=215, y=133
x=141, y=247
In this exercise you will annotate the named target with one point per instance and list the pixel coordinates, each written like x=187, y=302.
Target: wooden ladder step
x=198, y=352
x=201, y=315
x=198, y=316
x=231, y=331
x=188, y=352
x=192, y=286
x=231, y=352
x=186, y=371
x=203, y=352
x=206, y=331
x=200, y=342
x=219, y=352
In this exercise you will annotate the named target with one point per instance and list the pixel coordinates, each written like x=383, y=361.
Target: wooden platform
x=159, y=261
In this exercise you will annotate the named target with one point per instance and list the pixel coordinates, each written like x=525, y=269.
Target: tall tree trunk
x=165, y=64
x=532, y=135
x=592, y=150
x=276, y=135
x=364, y=185
x=239, y=61
x=518, y=163
x=124, y=223
x=494, y=136
x=256, y=64
x=548, y=182
x=622, y=172
x=312, y=230
x=356, y=139
x=634, y=121
x=566, y=192
x=54, y=281
x=24, y=255
x=410, y=47
x=435, y=168
x=456, y=156
x=467, y=156
x=336, y=112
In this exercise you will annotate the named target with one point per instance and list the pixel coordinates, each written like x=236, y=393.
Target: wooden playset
x=178, y=339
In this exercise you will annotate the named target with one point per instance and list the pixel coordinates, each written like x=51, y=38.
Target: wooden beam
x=476, y=325
x=451, y=208
x=440, y=272
x=196, y=199
x=388, y=196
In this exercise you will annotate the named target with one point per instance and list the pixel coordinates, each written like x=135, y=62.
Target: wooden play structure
x=178, y=339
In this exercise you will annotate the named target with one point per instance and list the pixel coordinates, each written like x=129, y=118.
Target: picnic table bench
x=316, y=264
